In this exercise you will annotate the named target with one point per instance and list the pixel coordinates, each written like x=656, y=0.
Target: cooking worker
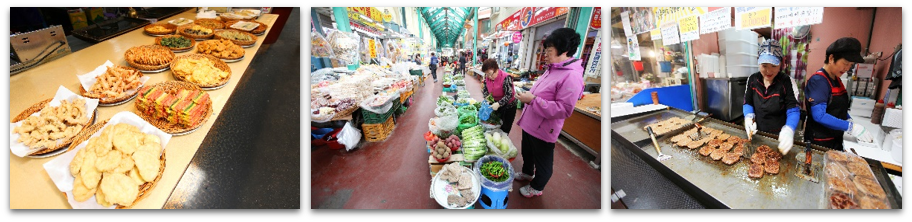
x=827, y=100
x=770, y=101
x=548, y=104
x=499, y=85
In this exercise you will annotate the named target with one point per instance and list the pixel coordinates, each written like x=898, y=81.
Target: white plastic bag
x=448, y=122
x=365, y=104
x=512, y=151
x=349, y=136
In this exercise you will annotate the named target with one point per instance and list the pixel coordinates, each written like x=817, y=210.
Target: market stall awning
x=447, y=22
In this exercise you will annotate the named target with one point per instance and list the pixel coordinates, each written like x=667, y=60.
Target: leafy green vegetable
x=175, y=42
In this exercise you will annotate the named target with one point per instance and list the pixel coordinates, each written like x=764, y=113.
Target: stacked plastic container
x=739, y=48
x=709, y=66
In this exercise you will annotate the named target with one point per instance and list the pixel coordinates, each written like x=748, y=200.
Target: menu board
x=670, y=34
x=715, y=21
x=797, y=16
x=689, y=28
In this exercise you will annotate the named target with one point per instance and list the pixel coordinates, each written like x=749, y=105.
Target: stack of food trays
x=851, y=183
x=205, y=71
x=149, y=58
x=45, y=128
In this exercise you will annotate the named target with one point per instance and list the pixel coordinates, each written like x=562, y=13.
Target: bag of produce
x=445, y=109
x=485, y=112
x=499, y=144
x=496, y=172
x=344, y=46
x=377, y=104
x=466, y=121
x=448, y=122
x=474, y=145
x=319, y=47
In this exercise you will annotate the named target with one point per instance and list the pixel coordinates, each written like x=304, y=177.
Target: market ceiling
x=447, y=22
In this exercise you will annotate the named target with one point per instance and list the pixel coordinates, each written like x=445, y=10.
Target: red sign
x=597, y=18
x=512, y=23
x=526, y=16
x=545, y=13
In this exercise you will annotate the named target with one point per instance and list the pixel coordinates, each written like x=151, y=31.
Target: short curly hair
x=563, y=40
x=489, y=65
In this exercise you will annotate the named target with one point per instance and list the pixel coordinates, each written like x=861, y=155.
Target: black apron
x=769, y=104
x=838, y=106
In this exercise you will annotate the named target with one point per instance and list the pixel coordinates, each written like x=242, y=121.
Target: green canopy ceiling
x=447, y=22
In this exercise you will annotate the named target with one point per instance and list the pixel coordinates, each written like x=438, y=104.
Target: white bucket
x=740, y=58
x=736, y=71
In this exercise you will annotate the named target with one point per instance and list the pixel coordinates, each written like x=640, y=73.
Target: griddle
x=725, y=186
x=109, y=29
x=632, y=129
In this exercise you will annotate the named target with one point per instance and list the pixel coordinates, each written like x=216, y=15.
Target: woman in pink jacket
x=550, y=101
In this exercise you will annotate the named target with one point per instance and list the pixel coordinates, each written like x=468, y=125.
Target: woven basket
x=234, y=45
x=345, y=113
x=170, y=28
x=182, y=30
x=106, y=100
x=210, y=23
x=252, y=40
x=145, y=67
x=36, y=108
x=175, y=128
x=192, y=42
x=219, y=64
x=145, y=188
x=258, y=30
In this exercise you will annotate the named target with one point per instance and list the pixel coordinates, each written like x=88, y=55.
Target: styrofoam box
x=864, y=70
x=741, y=70
x=892, y=118
x=741, y=58
x=862, y=103
x=861, y=112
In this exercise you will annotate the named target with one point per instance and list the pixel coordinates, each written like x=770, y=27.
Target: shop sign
x=544, y=13
x=517, y=37
x=511, y=23
x=760, y=17
x=387, y=17
x=715, y=21
x=526, y=16
x=670, y=34
x=787, y=17
x=597, y=18
x=593, y=67
x=689, y=28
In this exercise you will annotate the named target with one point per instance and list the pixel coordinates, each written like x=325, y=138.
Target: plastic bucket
x=741, y=70
x=741, y=58
x=665, y=66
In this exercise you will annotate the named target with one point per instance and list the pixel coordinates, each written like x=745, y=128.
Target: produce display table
x=586, y=130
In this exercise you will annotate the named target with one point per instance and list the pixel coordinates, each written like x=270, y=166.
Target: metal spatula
x=655, y=143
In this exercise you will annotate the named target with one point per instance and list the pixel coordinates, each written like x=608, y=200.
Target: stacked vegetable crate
x=374, y=118
x=378, y=132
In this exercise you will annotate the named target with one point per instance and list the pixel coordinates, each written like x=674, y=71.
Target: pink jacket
x=556, y=91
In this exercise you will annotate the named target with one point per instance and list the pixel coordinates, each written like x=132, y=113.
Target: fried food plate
x=174, y=128
x=58, y=169
x=19, y=149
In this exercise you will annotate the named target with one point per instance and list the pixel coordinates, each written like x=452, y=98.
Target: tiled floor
x=394, y=174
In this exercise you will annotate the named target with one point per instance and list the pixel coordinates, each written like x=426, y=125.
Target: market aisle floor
x=394, y=174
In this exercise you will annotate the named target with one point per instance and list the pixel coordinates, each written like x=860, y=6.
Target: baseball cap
x=848, y=47
x=770, y=52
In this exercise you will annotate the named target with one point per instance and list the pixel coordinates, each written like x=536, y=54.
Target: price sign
x=670, y=34
x=373, y=48
x=656, y=34
x=797, y=16
x=758, y=18
x=689, y=28
x=715, y=21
